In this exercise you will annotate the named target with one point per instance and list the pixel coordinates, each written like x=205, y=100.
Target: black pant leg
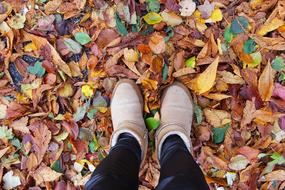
x=178, y=168
x=120, y=169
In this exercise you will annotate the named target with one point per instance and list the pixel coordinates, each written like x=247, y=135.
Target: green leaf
x=152, y=18
x=91, y=113
x=81, y=111
x=191, y=62
x=239, y=25
x=120, y=26
x=278, y=64
x=6, y=133
x=228, y=35
x=72, y=45
x=93, y=145
x=198, y=113
x=170, y=33
x=82, y=37
x=16, y=142
x=277, y=158
x=219, y=133
x=152, y=123
x=249, y=46
x=37, y=69
x=56, y=166
x=281, y=77
x=153, y=6
x=165, y=72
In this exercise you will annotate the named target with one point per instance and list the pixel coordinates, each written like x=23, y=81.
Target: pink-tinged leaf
x=248, y=152
x=172, y=5
x=282, y=123
x=40, y=139
x=72, y=128
x=279, y=91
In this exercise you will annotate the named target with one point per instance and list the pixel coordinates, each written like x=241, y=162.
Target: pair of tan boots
x=127, y=115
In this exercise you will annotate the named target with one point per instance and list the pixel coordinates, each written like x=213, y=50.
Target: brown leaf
x=45, y=174
x=40, y=139
x=248, y=152
x=21, y=125
x=248, y=113
x=217, y=118
x=266, y=82
x=118, y=70
x=278, y=175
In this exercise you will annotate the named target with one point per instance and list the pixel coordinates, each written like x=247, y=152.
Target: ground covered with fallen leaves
x=60, y=59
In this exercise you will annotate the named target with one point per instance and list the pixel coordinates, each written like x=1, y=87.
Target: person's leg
x=129, y=141
x=120, y=169
x=178, y=168
x=173, y=143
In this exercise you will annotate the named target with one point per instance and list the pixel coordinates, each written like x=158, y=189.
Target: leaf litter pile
x=61, y=59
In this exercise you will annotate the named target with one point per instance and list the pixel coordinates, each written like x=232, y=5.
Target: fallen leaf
x=230, y=78
x=278, y=175
x=3, y=111
x=249, y=152
x=238, y=162
x=170, y=18
x=87, y=90
x=217, y=118
x=266, y=83
x=206, y=80
x=82, y=37
x=152, y=18
x=21, y=125
x=270, y=26
x=45, y=174
x=157, y=43
x=39, y=42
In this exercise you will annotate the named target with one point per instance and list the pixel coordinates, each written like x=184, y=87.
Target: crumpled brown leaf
x=45, y=174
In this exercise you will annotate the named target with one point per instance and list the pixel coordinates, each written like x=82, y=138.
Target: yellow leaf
x=131, y=55
x=87, y=91
x=66, y=90
x=268, y=27
x=217, y=96
x=255, y=3
x=30, y=47
x=206, y=80
x=152, y=18
x=216, y=16
x=266, y=83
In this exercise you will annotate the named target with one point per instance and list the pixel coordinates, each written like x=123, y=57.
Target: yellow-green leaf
x=152, y=18
x=87, y=91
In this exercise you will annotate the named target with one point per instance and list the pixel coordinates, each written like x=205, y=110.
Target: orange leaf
x=266, y=83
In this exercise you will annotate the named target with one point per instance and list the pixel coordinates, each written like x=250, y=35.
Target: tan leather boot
x=176, y=116
x=127, y=114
